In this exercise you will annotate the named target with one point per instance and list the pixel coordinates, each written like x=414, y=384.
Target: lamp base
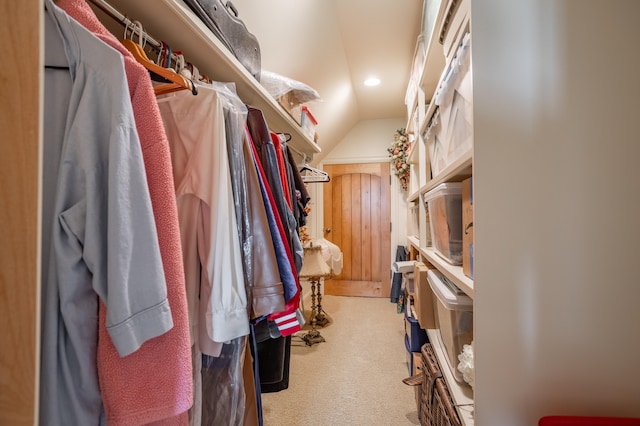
x=321, y=319
x=313, y=337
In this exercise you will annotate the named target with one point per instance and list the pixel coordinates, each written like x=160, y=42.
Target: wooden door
x=357, y=219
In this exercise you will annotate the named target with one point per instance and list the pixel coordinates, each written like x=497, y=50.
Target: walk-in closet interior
x=191, y=222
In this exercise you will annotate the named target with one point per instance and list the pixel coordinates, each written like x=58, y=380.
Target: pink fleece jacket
x=153, y=384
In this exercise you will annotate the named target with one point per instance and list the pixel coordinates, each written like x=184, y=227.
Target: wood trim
x=20, y=85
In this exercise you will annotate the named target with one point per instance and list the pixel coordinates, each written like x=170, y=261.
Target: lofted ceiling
x=333, y=46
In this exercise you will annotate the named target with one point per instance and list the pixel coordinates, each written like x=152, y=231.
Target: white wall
x=366, y=142
x=556, y=154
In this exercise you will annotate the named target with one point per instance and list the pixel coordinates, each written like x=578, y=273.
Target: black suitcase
x=222, y=19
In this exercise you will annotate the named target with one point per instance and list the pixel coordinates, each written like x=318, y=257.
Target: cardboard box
x=467, y=227
x=291, y=104
x=423, y=297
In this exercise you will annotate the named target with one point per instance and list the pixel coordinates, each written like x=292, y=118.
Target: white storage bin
x=453, y=25
x=416, y=74
x=454, y=318
x=450, y=132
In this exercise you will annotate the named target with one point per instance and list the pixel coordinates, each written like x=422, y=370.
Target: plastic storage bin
x=308, y=123
x=289, y=103
x=444, y=203
x=449, y=135
x=454, y=318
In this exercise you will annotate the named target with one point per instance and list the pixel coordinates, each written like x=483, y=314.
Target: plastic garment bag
x=223, y=391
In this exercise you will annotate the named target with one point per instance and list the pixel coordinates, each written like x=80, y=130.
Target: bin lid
x=450, y=188
x=451, y=296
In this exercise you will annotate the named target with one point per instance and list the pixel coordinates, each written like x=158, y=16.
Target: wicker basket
x=437, y=407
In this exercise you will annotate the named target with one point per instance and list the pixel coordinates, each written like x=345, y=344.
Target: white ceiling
x=333, y=46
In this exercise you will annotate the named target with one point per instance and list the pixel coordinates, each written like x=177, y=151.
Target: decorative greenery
x=399, y=156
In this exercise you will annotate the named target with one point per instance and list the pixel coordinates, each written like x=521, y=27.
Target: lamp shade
x=313, y=264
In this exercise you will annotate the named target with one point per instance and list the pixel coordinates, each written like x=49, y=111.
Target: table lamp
x=314, y=268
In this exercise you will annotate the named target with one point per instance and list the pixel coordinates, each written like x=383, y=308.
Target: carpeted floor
x=354, y=377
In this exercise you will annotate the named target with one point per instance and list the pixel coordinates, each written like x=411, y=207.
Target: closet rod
x=115, y=14
x=304, y=156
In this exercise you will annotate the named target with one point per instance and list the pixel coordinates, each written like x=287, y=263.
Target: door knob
x=327, y=230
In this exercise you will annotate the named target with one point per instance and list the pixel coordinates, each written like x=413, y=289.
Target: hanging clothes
x=282, y=168
x=223, y=399
x=262, y=278
x=266, y=152
x=216, y=293
x=99, y=230
x=196, y=132
x=132, y=390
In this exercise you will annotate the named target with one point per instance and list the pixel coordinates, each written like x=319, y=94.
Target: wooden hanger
x=176, y=81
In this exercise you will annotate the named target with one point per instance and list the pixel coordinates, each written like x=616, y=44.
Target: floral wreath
x=398, y=154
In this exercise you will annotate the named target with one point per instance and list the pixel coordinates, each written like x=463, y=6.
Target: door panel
x=356, y=219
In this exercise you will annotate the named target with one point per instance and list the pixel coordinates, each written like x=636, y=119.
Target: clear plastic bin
x=454, y=318
x=444, y=204
x=309, y=123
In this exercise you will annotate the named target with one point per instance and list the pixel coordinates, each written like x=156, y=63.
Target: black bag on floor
x=221, y=17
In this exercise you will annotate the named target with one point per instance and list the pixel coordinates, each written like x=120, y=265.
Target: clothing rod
x=301, y=154
x=115, y=14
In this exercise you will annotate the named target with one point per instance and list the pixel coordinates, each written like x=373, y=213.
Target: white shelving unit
x=173, y=22
x=434, y=72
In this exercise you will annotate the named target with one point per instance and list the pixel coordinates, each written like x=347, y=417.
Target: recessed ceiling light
x=372, y=81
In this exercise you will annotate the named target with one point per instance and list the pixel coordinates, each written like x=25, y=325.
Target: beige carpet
x=355, y=377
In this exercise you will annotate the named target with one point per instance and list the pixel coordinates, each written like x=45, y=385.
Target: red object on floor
x=587, y=421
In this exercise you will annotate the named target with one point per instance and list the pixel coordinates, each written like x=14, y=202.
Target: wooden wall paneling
x=20, y=90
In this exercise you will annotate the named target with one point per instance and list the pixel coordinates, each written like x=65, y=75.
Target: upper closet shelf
x=174, y=23
x=434, y=59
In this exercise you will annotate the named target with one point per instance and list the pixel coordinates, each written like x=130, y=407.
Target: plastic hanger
x=311, y=174
x=177, y=81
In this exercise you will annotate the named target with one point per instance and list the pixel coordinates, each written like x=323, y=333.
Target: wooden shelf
x=409, y=128
x=414, y=241
x=434, y=59
x=457, y=171
x=413, y=154
x=173, y=22
x=453, y=272
x=461, y=394
x=414, y=195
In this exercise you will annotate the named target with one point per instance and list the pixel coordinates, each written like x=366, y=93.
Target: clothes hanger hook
x=137, y=26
